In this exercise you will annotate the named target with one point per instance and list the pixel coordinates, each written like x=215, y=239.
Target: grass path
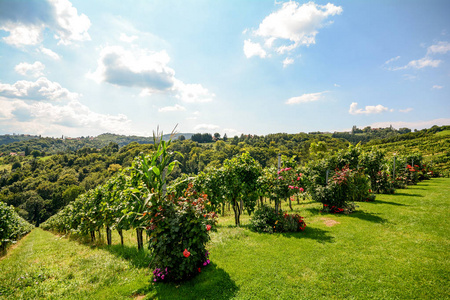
x=397, y=247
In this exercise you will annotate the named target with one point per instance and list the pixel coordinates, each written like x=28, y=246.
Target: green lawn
x=394, y=248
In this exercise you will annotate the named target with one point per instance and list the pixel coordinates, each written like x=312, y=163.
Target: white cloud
x=128, y=39
x=437, y=87
x=422, y=63
x=176, y=107
x=206, y=127
x=413, y=125
x=391, y=60
x=25, y=22
x=22, y=35
x=139, y=68
x=49, y=53
x=336, y=85
x=41, y=89
x=145, y=69
x=305, y=98
x=48, y=118
x=253, y=49
x=427, y=61
x=440, y=47
x=294, y=25
x=33, y=70
x=287, y=61
x=231, y=132
x=354, y=110
x=192, y=93
x=406, y=110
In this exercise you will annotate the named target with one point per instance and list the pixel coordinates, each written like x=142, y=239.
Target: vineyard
x=174, y=219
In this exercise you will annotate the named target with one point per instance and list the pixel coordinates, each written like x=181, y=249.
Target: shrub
x=178, y=232
x=383, y=183
x=346, y=185
x=266, y=219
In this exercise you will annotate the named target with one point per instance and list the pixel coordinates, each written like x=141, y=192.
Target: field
x=394, y=248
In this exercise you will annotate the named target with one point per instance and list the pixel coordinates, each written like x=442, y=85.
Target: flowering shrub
x=345, y=186
x=384, y=184
x=283, y=184
x=178, y=232
x=267, y=219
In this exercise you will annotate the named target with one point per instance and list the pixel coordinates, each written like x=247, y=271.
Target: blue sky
x=79, y=68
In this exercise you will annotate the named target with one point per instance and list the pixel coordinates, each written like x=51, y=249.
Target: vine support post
x=393, y=174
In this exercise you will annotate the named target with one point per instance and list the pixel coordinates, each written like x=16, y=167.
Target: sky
x=83, y=68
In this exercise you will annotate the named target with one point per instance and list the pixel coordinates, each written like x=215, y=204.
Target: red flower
x=186, y=253
x=199, y=270
x=208, y=227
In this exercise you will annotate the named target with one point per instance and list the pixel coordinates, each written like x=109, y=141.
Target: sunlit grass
x=394, y=248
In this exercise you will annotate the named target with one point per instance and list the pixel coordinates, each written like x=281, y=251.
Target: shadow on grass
x=316, y=234
x=367, y=217
x=407, y=195
x=387, y=202
x=137, y=258
x=212, y=283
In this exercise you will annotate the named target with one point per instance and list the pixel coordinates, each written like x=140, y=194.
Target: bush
x=178, y=231
x=383, y=183
x=346, y=185
x=266, y=219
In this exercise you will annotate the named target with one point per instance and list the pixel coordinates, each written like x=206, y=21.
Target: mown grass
x=394, y=248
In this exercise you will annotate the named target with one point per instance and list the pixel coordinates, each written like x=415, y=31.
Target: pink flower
x=301, y=190
x=291, y=187
x=208, y=227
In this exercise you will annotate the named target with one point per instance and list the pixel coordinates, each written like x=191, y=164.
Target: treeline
x=26, y=144
x=40, y=187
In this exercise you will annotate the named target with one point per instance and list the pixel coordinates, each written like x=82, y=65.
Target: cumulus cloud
x=44, y=117
x=437, y=87
x=305, y=98
x=253, y=49
x=440, y=47
x=176, y=107
x=422, y=63
x=287, y=61
x=33, y=70
x=128, y=39
x=41, y=89
x=192, y=93
x=291, y=26
x=231, y=132
x=49, y=53
x=426, y=61
x=26, y=20
x=145, y=69
x=142, y=69
x=206, y=127
x=354, y=110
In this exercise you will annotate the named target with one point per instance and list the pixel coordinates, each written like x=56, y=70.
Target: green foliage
x=178, y=233
x=240, y=179
x=267, y=219
x=12, y=226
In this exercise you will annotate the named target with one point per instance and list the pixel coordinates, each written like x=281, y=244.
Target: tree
x=217, y=136
x=225, y=137
x=240, y=178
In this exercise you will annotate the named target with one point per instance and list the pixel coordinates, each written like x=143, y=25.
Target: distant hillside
x=8, y=138
x=48, y=145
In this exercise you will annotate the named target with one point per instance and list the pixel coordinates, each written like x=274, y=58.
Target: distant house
x=12, y=154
